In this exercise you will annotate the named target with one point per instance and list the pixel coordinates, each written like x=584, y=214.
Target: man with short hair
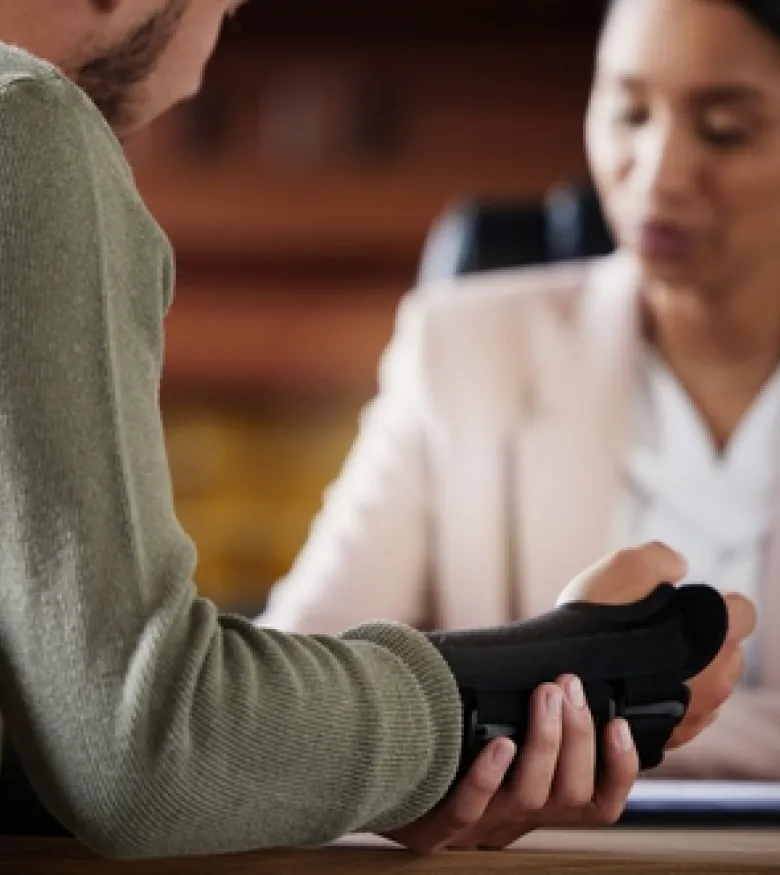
x=148, y=723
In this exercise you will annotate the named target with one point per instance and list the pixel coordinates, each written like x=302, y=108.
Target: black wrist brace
x=633, y=660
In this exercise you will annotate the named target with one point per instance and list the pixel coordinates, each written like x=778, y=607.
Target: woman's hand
x=554, y=780
x=630, y=575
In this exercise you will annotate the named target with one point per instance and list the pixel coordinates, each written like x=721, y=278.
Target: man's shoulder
x=40, y=104
x=18, y=65
x=30, y=86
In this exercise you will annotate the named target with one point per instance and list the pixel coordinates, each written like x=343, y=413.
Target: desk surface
x=607, y=852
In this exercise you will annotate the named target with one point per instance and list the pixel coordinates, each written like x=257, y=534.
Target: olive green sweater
x=148, y=722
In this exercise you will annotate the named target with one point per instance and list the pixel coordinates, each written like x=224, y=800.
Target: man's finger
x=573, y=787
x=468, y=801
x=515, y=812
x=621, y=768
x=535, y=771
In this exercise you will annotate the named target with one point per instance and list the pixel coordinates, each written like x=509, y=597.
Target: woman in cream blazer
x=491, y=467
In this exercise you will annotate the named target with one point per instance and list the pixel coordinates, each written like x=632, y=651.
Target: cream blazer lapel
x=530, y=389
x=569, y=443
x=476, y=375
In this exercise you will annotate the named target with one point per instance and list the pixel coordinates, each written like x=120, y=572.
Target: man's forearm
x=147, y=722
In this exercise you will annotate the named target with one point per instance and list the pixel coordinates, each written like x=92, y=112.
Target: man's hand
x=552, y=782
x=630, y=575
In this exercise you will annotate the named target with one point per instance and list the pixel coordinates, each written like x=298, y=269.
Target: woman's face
x=683, y=139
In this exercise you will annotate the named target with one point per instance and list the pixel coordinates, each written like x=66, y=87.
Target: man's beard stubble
x=112, y=79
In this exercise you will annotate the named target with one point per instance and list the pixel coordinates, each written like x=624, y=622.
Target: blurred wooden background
x=298, y=190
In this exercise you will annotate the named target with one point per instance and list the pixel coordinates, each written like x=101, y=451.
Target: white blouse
x=716, y=508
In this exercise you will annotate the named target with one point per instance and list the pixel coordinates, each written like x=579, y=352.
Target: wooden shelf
x=287, y=340
x=317, y=165
x=462, y=120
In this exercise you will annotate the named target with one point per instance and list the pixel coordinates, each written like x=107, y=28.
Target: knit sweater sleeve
x=148, y=722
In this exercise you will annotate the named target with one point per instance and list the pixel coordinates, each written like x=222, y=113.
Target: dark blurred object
x=21, y=813
x=481, y=236
x=385, y=19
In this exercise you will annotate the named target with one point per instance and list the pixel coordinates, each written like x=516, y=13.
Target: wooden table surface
x=607, y=852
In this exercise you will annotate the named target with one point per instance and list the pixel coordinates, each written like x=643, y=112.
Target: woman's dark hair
x=766, y=13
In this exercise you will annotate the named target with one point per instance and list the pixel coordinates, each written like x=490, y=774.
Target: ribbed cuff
x=444, y=725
